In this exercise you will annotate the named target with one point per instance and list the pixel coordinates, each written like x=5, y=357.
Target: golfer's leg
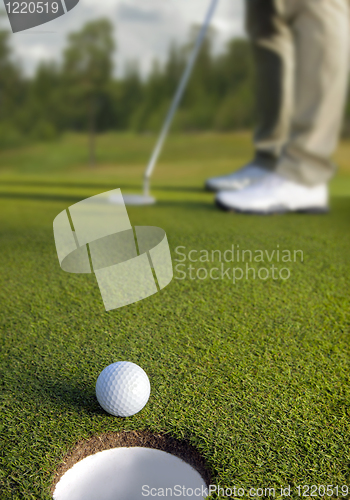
x=321, y=32
x=274, y=55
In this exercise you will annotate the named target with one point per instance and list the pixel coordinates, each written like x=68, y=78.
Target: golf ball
x=123, y=389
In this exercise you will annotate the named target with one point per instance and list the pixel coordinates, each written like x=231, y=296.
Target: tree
x=87, y=70
x=130, y=96
x=346, y=124
x=42, y=115
x=13, y=91
x=199, y=102
x=235, y=85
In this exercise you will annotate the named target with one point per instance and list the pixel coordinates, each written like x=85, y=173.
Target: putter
x=145, y=198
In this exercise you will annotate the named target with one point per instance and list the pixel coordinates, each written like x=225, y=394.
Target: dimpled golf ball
x=123, y=389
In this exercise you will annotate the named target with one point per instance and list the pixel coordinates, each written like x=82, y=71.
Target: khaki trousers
x=302, y=56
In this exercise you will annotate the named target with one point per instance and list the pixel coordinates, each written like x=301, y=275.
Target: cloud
x=143, y=29
x=132, y=14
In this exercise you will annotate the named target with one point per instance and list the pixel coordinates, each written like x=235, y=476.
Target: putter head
x=133, y=199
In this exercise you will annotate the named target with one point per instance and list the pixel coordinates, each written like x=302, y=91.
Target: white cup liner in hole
x=130, y=474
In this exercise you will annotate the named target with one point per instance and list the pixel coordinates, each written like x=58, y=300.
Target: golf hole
x=131, y=466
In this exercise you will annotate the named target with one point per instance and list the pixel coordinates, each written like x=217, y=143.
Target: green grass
x=254, y=374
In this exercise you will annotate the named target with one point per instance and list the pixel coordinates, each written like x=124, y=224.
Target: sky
x=143, y=29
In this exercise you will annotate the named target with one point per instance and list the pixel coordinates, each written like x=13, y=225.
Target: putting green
x=253, y=373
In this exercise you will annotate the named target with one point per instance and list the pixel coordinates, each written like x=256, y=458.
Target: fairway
x=253, y=371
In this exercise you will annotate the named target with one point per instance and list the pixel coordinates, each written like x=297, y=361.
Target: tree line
x=81, y=94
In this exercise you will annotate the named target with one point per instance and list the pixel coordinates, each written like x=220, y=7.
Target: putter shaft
x=177, y=98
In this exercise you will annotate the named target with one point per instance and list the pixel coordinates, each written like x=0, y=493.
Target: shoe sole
x=216, y=190
x=277, y=211
x=208, y=188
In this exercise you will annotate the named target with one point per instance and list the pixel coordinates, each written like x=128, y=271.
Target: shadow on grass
x=68, y=394
x=74, y=199
x=108, y=186
x=59, y=184
x=191, y=205
x=41, y=197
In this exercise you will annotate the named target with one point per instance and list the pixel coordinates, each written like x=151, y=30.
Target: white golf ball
x=123, y=389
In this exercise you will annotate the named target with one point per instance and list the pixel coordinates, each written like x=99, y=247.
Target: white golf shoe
x=275, y=194
x=245, y=176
